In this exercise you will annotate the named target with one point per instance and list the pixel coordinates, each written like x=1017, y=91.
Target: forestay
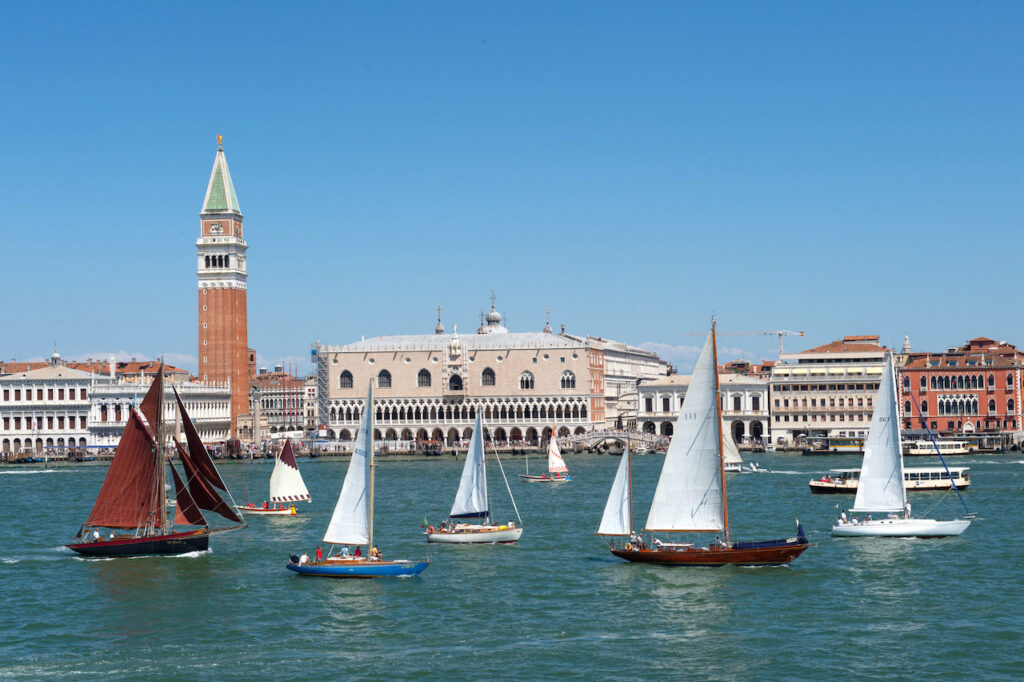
x=689, y=492
x=616, y=520
x=286, y=484
x=350, y=523
x=556, y=465
x=881, y=488
x=471, y=499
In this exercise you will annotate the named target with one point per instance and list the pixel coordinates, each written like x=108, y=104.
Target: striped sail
x=880, y=488
x=616, y=519
x=350, y=523
x=286, y=484
x=689, y=492
x=471, y=499
x=556, y=464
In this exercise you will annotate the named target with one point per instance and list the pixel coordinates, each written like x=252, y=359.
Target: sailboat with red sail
x=129, y=516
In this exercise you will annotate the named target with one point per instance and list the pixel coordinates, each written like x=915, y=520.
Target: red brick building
x=223, y=327
x=973, y=389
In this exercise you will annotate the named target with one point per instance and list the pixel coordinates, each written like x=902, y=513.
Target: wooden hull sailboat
x=690, y=497
x=133, y=499
x=881, y=486
x=277, y=510
x=472, y=502
x=352, y=521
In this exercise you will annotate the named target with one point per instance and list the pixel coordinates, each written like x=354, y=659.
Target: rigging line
x=506, y=485
x=931, y=436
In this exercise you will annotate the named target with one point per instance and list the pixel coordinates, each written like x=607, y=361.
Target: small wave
x=789, y=473
x=29, y=471
x=10, y=561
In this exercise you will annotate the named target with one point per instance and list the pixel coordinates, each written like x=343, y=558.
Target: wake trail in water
x=28, y=472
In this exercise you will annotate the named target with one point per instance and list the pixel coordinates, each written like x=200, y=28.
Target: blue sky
x=837, y=168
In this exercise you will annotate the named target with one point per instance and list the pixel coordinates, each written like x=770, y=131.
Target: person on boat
x=266, y=506
x=304, y=559
x=344, y=550
x=95, y=535
x=842, y=517
x=657, y=543
x=375, y=553
x=359, y=552
x=908, y=509
x=319, y=554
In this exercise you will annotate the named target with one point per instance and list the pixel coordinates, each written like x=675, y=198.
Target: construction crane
x=772, y=332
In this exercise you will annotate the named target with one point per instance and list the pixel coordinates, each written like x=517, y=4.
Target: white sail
x=471, y=499
x=616, y=519
x=556, y=465
x=880, y=488
x=350, y=523
x=286, y=484
x=730, y=452
x=689, y=492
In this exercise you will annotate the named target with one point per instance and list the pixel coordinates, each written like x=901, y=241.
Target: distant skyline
x=835, y=169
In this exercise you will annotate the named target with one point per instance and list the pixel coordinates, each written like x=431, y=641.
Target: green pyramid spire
x=220, y=193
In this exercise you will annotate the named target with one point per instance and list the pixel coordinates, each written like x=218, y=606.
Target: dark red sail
x=287, y=456
x=150, y=407
x=196, y=449
x=204, y=494
x=131, y=492
x=186, y=512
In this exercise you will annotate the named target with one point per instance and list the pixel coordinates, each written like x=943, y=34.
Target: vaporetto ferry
x=914, y=478
x=922, y=448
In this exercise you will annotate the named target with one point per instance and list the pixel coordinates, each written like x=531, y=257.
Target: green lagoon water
x=557, y=605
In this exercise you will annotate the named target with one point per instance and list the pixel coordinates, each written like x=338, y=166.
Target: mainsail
x=616, y=519
x=131, y=492
x=202, y=491
x=200, y=457
x=730, y=452
x=689, y=496
x=186, y=511
x=286, y=483
x=556, y=465
x=471, y=499
x=350, y=523
x=880, y=488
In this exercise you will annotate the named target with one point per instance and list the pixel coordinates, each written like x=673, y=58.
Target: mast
x=369, y=440
x=483, y=471
x=718, y=416
x=629, y=478
x=161, y=456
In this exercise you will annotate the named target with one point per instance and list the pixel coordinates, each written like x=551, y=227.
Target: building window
x=906, y=407
x=423, y=379
x=568, y=379
x=345, y=380
x=384, y=379
x=991, y=381
x=924, y=407
x=487, y=377
x=666, y=404
x=906, y=381
x=1009, y=406
x=526, y=381
x=1009, y=381
x=455, y=383
x=49, y=394
x=755, y=402
x=648, y=404
x=991, y=406
x=924, y=383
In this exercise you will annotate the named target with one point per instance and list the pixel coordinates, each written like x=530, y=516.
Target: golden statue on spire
x=220, y=139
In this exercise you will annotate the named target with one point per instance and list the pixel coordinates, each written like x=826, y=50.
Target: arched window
x=1009, y=406
x=384, y=379
x=942, y=407
x=991, y=406
x=227, y=261
x=906, y=381
x=526, y=381
x=960, y=381
x=487, y=377
x=568, y=379
x=991, y=381
x=207, y=261
x=455, y=383
x=345, y=380
x=423, y=379
x=974, y=381
x=924, y=407
x=933, y=381
x=906, y=407
x=1009, y=381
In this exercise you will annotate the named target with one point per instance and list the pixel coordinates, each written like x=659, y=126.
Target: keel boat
x=557, y=472
x=286, y=487
x=351, y=524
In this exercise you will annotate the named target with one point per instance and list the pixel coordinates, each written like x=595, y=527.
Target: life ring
x=430, y=529
x=629, y=546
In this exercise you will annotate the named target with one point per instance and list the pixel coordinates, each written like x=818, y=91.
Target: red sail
x=186, y=512
x=287, y=456
x=203, y=493
x=131, y=492
x=150, y=407
x=196, y=449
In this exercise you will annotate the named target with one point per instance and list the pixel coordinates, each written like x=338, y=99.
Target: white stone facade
x=745, y=411
x=45, y=408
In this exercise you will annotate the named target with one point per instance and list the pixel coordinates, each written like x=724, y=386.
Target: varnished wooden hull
x=784, y=553
x=173, y=543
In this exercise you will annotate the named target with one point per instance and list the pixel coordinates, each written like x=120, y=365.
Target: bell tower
x=223, y=326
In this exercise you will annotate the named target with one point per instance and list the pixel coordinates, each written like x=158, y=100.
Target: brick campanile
x=223, y=325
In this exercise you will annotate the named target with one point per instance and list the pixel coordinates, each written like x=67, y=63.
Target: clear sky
x=837, y=168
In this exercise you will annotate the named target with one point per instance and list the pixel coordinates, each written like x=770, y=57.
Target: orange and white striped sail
x=556, y=465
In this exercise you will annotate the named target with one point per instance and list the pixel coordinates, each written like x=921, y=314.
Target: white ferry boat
x=914, y=478
x=926, y=447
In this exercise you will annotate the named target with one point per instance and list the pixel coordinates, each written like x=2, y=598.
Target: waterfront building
x=280, y=400
x=309, y=405
x=744, y=398
x=224, y=355
x=827, y=391
x=972, y=389
x=622, y=367
x=430, y=387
